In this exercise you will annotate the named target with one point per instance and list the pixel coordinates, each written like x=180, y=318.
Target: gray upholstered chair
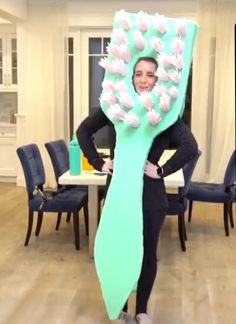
x=178, y=203
x=59, y=155
x=41, y=201
x=222, y=193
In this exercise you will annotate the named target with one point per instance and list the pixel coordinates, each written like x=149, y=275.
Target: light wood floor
x=49, y=282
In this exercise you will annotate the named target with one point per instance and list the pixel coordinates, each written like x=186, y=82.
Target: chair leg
x=86, y=218
x=226, y=219
x=231, y=219
x=99, y=212
x=185, y=233
x=39, y=223
x=58, y=220
x=190, y=207
x=68, y=217
x=76, y=230
x=30, y=225
x=181, y=231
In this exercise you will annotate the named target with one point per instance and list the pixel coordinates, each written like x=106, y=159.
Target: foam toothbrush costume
x=138, y=119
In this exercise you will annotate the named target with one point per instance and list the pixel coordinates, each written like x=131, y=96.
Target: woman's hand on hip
x=108, y=167
x=151, y=170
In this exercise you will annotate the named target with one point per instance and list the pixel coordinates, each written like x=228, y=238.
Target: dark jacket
x=178, y=135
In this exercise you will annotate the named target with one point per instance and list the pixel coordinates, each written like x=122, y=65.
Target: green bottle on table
x=74, y=157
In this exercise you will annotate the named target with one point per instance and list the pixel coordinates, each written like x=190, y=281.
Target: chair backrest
x=230, y=176
x=59, y=155
x=188, y=172
x=32, y=165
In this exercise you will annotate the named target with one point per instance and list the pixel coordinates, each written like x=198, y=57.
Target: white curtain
x=213, y=112
x=45, y=78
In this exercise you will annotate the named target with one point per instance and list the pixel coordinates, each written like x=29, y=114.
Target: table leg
x=93, y=212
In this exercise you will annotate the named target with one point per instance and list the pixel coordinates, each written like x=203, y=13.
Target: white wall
x=13, y=10
x=91, y=13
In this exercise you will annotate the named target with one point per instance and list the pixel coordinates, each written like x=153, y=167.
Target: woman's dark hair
x=146, y=59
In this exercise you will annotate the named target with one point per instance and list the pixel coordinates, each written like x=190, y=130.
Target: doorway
x=89, y=47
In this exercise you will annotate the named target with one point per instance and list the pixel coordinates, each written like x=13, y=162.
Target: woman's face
x=144, y=76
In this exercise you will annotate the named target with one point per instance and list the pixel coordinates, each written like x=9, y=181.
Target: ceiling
x=4, y=21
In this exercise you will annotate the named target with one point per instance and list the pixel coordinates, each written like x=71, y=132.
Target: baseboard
x=8, y=179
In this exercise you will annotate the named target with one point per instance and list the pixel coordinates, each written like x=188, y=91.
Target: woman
x=155, y=201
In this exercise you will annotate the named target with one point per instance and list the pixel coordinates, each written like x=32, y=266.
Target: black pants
x=152, y=222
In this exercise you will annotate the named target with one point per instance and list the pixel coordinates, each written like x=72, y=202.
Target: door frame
x=81, y=63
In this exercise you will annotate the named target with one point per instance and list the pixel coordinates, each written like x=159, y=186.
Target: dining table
x=93, y=179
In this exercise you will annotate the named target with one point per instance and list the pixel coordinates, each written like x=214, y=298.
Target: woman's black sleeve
x=181, y=136
x=84, y=133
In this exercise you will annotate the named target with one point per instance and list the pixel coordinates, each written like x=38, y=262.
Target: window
x=97, y=50
x=188, y=101
x=85, y=76
x=70, y=53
